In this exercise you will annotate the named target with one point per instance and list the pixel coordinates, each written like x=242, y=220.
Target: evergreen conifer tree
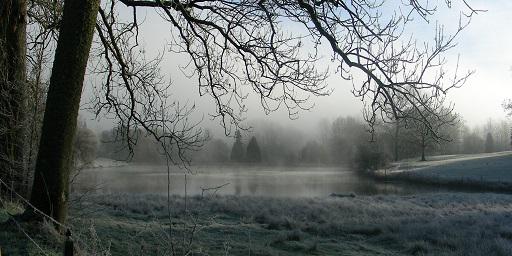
x=253, y=151
x=237, y=151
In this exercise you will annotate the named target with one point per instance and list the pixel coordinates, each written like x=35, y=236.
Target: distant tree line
x=85, y=147
x=342, y=141
x=459, y=138
x=251, y=154
x=145, y=150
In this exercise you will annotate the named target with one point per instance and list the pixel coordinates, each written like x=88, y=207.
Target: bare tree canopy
x=435, y=129
x=274, y=47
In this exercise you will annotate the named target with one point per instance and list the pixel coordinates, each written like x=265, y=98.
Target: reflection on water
x=302, y=181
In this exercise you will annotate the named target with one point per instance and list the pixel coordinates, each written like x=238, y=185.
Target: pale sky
x=485, y=46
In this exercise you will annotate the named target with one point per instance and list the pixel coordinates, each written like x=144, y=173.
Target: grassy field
x=427, y=224
x=490, y=171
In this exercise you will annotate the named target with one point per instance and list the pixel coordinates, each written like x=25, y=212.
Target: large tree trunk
x=13, y=94
x=397, y=129
x=51, y=178
x=423, y=147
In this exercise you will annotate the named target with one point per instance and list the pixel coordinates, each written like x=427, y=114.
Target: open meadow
x=426, y=224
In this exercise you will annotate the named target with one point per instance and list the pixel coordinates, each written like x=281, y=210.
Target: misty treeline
x=342, y=141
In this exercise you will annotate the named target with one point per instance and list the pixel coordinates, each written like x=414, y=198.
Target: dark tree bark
x=397, y=129
x=13, y=93
x=423, y=147
x=50, y=189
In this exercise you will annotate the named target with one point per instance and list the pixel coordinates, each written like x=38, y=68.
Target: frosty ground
x=426, y=224
x=421, y=224
x=492, y=171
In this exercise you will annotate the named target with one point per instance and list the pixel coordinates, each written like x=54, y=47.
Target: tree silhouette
x=313, y=152
x=489, y=143
x=429, y=124
x=50, y=190
x=13, y=91
x=253, y=151
x=85, y=145
x=237, y=151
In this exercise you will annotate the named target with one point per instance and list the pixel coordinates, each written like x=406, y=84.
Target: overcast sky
x=485, y=46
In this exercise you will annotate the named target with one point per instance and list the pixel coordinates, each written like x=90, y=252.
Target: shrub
x=86, y=145
x=370, y=157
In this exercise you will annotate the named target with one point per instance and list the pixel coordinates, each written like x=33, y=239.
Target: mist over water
x=267, y=181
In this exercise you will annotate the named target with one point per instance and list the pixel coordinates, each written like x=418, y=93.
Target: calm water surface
x=301, y=181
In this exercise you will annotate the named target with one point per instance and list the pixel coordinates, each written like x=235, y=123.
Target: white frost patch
x=478, y=168
x=106, y=163
x=426, y=224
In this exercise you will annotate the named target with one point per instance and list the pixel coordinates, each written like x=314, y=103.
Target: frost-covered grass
x=483, y=171
x=15, y=242
x=414, y=164
x=106, y=163
x=430, y=224
x=426, y=224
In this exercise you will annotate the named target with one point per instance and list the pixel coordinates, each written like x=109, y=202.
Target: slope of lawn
x=492, y=170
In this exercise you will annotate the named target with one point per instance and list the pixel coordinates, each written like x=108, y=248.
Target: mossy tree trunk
x=13, y=90
x=51, y=178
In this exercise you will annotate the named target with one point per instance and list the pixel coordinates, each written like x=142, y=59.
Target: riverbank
x=106, y=163
x=489, y=172
x=426, y=224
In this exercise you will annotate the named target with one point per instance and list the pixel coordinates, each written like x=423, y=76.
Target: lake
x=272, y=181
